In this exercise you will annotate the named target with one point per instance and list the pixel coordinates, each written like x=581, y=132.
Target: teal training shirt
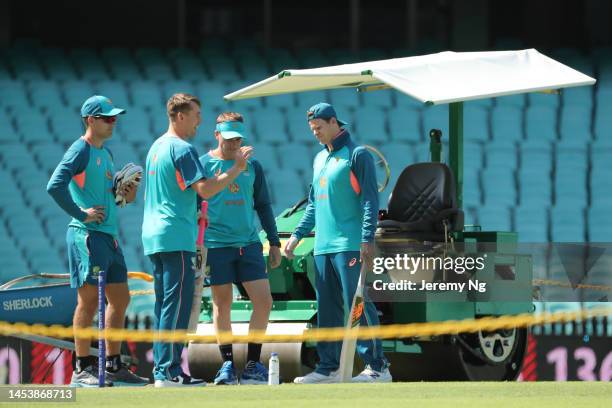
x=84, y=179
x=343, y=199
x=170, y=215
x=231, y=212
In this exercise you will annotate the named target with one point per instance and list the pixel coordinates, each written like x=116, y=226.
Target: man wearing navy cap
x=82, y=186
x=234, y=249
x=343, y=203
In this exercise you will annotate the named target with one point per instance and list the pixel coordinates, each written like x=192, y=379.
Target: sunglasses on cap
x=107, y=119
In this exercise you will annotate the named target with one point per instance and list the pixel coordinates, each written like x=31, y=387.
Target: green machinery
x=495, y=355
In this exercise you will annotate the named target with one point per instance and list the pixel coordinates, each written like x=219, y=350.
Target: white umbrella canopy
x=445, y=77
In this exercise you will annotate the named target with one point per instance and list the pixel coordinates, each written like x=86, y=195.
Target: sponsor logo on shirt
x=109, y=175
x=352, y=262
x=98, y=161
x=233, y=187
x=234, y=202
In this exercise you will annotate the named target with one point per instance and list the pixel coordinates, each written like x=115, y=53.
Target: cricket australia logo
x=233, y=187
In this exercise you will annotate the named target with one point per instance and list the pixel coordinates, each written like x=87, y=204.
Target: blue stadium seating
x=507, y=123
x=541, y=122
x=370, y=126
x=404, y=124
x=475, y=122
x=531, y=161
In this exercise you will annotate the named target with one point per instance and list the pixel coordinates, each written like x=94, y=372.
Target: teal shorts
x=236, y=265
x=90, y=252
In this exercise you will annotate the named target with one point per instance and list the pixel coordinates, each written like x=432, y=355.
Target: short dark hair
x=181, y=102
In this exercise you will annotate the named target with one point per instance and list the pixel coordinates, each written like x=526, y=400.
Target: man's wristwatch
x=275, y=244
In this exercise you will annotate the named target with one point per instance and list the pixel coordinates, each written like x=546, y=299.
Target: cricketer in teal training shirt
x=81, y=185
x=234, y=248
x=343, y=204
x=174, y=178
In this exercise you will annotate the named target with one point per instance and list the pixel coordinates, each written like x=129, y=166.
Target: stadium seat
x=45, y=94
x=297, y=157
x=135, y=126
x=575, y=122
x=13, y=95
x=398, y=156
x=567, y=224
x=499, y=186
x=599, y=223
x=475, y=122
x=344, y=99
x=495, y=218
x=146, y=94
x=33, y=127
x=435, y=117
x=285, y=101
x=535, y=188
x=543, y=99
x=76, y=92
x=531, y=223
x=507, y=123
x=370, y=126
x=269, y=124
x=404, y=124
x=578, y=96
x=306, y=99
x=381, y=99
x=541, y=122
x=266, y=155
x=116, y=91
x=517, y=101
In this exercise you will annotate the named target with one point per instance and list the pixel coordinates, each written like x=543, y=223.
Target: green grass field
x=471, y=395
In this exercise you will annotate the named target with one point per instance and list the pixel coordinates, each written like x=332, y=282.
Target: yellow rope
x=326, y=334
x=548, y=282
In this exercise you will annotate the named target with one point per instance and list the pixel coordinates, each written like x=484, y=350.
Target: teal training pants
x=174, y=284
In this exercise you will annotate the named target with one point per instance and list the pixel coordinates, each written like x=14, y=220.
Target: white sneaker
x=369, y=375
x=316, y=378
x=183, y=380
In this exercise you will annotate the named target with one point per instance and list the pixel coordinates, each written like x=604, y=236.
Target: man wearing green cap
x=82, y=186
x=174, y=178
x=234, y=249
x=343, y=203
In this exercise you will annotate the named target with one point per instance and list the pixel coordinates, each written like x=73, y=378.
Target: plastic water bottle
x=273, y=370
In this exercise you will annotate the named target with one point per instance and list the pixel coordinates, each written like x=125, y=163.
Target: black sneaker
x=88, y=378
x=182, y=380
x=125, y=377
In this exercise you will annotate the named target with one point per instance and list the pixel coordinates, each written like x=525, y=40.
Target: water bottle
x=273, y=370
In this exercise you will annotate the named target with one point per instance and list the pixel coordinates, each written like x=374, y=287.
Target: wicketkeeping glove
x=129, y=174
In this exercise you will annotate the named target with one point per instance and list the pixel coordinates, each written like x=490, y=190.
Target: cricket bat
x=347, y=355
x=200, y=268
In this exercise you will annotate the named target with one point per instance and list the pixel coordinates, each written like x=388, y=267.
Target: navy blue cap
x=323, y=110
x=99, y=105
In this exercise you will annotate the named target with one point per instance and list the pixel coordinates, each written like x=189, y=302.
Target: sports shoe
x=226, y=374
x=182, y=380
x=317, y=378
x=125, y=377
x=88, y=378
x=369, y=375
x=254, y=373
